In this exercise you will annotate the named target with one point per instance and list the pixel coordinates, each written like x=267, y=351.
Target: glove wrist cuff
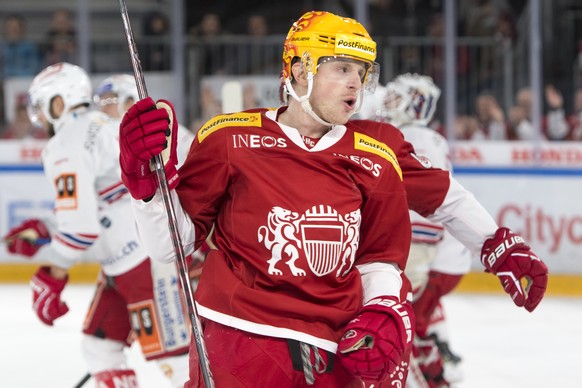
x=44, y=274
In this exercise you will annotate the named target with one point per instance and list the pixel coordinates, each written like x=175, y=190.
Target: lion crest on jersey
x=327, y=239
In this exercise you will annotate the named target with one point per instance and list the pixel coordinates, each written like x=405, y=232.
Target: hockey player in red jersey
x=310, y=218
x=136, y=298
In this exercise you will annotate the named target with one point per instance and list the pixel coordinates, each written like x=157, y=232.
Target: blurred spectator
x=257, y=26
x=21, y=127
x=215, y=57
x=482, y=19
x=389, y=18
x=554, y=124
x=259, y=56
x=155, y=51
x=489, y=19
x=210, y=25
x=506, y=27
x=436, y=29
x=19, y=57
x=490, y=119
x=61, y=45
x=575, y=119
x=465, y=127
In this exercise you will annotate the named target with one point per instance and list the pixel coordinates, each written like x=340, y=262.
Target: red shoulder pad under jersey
x=426, y=186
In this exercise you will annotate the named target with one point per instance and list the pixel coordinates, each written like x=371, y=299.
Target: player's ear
x=57, y=107
x=299, y=73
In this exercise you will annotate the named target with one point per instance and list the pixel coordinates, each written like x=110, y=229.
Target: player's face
x=108, y=104
x=336, y=88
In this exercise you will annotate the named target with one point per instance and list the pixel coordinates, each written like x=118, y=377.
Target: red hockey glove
x=27, y=238
x=116, y=378
x=430, y=362
x=374, y=341
x=511, y=259
x=148, y=129
x=46, y=296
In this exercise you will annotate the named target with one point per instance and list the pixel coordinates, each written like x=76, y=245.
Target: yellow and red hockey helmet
x=319, y=34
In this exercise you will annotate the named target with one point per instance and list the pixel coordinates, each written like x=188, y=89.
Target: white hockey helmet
x=116, y=89
x=410, y=99
x=66, y=80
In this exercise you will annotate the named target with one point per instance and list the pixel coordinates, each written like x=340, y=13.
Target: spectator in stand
x=389, y=18
x=61, y=45
x=575, y=119
x=20, y=127
x=554, y=124
x=490, y=119
x=155, y=52
x=261, y=58
x=19, y=56
x=464, y=127
x=214, y=58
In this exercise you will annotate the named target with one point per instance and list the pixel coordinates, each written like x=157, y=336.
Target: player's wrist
x=58, y=273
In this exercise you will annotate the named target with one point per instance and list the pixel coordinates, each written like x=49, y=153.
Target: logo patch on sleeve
x=369, y=144
x=229, y=120
x=66, y=185
x=423, y=160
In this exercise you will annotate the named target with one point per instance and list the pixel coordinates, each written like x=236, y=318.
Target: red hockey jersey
x=292, y=222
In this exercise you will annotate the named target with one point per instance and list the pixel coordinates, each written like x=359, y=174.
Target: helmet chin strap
x=304, y=100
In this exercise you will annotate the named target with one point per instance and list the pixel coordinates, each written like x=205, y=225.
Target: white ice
x=502, y=346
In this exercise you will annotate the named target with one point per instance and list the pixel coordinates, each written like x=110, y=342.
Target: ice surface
x=502, y=346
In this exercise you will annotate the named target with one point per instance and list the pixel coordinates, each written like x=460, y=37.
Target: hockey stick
x=163, y=186
x=83, y=380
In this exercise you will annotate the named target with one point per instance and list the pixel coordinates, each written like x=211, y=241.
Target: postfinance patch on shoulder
x=369, y=144
x=229, y=120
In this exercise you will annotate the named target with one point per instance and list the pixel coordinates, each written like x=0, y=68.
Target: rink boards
x=533, y=189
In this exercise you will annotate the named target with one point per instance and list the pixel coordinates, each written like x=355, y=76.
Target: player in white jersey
x=114, y=95
x=437, y=261
x=136, y=298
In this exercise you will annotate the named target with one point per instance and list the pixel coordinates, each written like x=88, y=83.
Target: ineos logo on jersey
x=367, y=163
x=258, y=141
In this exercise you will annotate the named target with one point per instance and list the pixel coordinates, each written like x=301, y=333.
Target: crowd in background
x=250, y=25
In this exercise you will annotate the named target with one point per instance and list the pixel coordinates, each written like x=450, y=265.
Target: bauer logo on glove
x=375, y=341
x=511, y=259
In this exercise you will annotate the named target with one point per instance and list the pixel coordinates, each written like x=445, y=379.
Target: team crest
x=327, y=240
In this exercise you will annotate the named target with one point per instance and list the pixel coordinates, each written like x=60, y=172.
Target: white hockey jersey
x=451, y=257
x=93, y=215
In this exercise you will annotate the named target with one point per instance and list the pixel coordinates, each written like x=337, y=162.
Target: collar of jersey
x=329, y=139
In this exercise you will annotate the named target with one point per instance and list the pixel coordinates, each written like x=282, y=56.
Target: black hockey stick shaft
x=83, y=380
x=169, y=207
